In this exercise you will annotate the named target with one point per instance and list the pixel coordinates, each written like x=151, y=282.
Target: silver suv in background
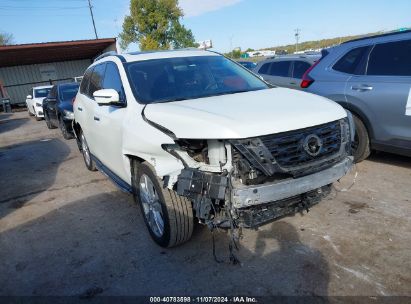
x=285, y=71
x=371, y=77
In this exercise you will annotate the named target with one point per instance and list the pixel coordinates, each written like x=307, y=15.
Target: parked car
x=192, y=134
x=248, y=64
x=58, y=108
x=371, y=77
x=34, y=101
x=285, y=71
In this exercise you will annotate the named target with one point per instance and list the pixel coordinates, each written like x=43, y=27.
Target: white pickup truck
x=194, y=135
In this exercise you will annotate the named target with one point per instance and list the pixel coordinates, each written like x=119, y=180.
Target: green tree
x=234, y=54
x=6, y=38
x=155, y=25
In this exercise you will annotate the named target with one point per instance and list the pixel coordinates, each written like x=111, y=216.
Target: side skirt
x=125, y=187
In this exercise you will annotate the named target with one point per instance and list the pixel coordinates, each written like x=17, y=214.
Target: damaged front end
x=250, y=182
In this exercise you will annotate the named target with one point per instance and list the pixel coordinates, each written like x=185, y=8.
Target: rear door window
x=390, y=59
x=264, y=69
x=96, y=80
x=300, y=67
x=280, y=68
x=350, y=63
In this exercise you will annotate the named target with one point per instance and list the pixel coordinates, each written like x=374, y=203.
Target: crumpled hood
x=244, y=115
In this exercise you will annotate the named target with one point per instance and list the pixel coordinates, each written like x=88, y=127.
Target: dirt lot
x=64, y=230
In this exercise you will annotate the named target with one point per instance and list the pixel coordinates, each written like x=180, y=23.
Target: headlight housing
x=351, y=124
x=68, y=114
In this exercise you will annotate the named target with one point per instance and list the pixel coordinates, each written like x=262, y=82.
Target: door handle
x=96, y=118
x=362, y=88
x=80, y=109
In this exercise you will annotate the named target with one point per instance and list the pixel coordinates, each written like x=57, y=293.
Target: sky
x=228, y=23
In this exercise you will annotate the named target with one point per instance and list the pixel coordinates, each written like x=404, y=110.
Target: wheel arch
x=360, y=114
x=163, y=166
x=76, y=130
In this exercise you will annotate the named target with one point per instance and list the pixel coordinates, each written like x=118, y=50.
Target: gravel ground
x=67, y=231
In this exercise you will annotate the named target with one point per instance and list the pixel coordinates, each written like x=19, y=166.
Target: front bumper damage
x=246, y=196
x=261, y=179
x=252, y=206
x=257, y=205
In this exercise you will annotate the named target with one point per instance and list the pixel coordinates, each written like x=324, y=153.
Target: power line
x=10, y=7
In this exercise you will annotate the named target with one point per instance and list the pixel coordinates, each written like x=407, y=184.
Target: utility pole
x=297, y=38
x=92, y=17
x=231, y=45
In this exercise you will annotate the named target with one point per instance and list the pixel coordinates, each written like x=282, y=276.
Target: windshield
x=68, y=92
x=38, y=93
x=173, y=79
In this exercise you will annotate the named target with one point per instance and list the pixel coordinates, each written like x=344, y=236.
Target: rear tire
x=86, y=153
x=161, y=208
x=361, y=144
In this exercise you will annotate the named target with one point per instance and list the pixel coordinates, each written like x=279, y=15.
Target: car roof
x=43, y=87
x=68, y=84
x=148, y=55
x=309, y=58
x=392, y=34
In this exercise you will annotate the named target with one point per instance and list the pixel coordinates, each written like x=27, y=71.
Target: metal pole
x=231, y=45
x=297, y=37
x=92, y=18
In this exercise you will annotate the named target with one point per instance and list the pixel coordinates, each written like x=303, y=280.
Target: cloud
x=194, y=8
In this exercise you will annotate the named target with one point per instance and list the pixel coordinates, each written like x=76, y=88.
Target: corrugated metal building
x=27, y=65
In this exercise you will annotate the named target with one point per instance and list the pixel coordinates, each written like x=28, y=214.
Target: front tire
x=168, y=216
x=66, y=134
x=28, y=111
x=48, y=122
x=87, y=154
x=361, y=144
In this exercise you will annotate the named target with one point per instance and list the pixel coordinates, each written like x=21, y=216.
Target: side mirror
x=106, y=97
x=29, y=97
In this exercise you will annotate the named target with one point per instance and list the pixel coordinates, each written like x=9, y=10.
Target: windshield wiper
x=205, y=96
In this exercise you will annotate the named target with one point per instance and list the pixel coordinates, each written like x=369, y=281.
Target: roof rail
x=106, y=54
x=164, y=51
x=378, y=36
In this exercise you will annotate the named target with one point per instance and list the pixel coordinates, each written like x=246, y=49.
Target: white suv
x=34, y=101
x=193, y=134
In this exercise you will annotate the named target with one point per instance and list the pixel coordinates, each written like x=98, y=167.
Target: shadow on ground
x=7, y=125
x=4, y=116
x=101, y=243
x=27, y=170
x=391, y=159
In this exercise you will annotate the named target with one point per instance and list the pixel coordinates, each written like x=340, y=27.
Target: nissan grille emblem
x=312, y=145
